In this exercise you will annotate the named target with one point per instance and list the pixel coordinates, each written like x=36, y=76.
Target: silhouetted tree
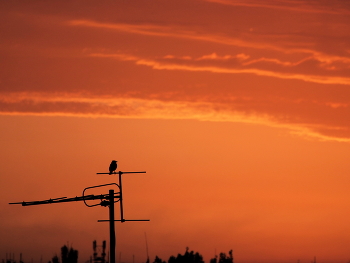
x=214, y=260
x=55, y=259
x=158, y=260
x=187, y=257
x=223, y=258
x=64, y=254
x=73, y=256
x=69, y=255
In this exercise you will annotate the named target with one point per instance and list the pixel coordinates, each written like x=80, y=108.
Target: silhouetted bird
x=113, y=167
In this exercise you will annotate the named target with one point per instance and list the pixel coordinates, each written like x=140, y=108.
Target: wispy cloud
x=229, y=68
x=171, y=63
x=174, y=32
x=289, y=5
x=230, y=110
x=214, y=56
x=329, y=61
x=143, y=29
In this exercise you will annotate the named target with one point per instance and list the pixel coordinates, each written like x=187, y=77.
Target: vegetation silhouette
x=55, y=259
x=192, y=257
x=223, y=258
x=157, y=260
x=68, y=255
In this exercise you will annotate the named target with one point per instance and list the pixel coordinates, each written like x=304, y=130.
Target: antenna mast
x=106, y=200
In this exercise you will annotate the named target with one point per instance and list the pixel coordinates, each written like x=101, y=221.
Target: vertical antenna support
x=121, y=197
x=111, y=227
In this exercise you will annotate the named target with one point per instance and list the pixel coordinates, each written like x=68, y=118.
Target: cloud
x=234, y=109
x=214, y=56
x=264, y=68
x=170, y=62
x=294, y=6
x=287, y=47
x=143, y=29
x=172, y=32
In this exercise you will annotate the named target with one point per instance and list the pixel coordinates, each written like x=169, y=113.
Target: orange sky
x=237, y=110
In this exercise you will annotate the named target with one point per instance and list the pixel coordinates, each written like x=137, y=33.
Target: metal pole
x=111, y=227
x=121, y=197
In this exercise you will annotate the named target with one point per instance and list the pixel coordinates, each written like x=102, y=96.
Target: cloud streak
x=176, y=32
x=327, y=60
x=294, y=6
x=232, y=110
x=232, y=64
x=170, y=63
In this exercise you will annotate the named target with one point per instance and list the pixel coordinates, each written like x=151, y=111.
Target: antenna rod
x=121, y=198
x=111, y=227
x=123, y=173
x=124, y=220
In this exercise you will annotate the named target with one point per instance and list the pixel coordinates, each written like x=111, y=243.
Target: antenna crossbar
x=65, y=199
x=120, y=172
x=124, y=220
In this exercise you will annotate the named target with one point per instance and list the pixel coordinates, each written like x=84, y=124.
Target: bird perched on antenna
x=113, y=166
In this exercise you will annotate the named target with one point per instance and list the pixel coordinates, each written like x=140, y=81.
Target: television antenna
x=105, y=200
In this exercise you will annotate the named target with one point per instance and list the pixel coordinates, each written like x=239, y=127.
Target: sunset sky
x=238, y=110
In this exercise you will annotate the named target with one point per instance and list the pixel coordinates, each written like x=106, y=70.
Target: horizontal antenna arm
x=124, y=220
x=65, y=199
x=120, y=172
